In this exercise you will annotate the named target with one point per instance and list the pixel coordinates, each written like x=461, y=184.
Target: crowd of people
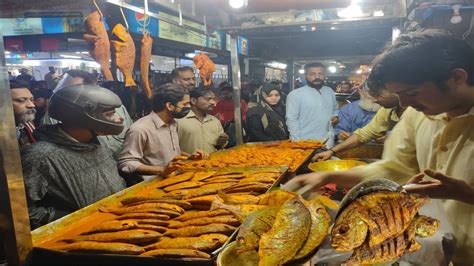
x=85, y=146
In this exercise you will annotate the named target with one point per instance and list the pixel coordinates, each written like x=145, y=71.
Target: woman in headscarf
x=266, y=115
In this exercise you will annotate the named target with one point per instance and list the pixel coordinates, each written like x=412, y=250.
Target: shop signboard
x=53, y=25
x=21, y=26
x=243, y=46
x=176, y=33
x=214, y=40
x=137, y=22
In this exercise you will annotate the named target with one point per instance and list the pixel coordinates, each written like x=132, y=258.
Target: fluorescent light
x=7, y=52
x=277, y=65
x=190, y=55
x=236, y=3
x=395, y=33
x=332, y=69
x=301, y=71
x=70, y=56
x=352, y=11
x=333, y=28
x=379, y=13
x=359, y=71
x=313, y=28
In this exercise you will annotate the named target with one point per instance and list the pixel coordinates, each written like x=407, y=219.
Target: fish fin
x=329, y=203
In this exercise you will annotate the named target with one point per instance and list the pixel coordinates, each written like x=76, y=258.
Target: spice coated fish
x=124, y=50
x=136, y=236
x=104, y=248
x=145, y=56
x=206, y=242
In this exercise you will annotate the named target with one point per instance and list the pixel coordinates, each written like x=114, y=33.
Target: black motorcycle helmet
x=83, y=106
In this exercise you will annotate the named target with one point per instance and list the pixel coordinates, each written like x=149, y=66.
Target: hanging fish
x=124, y=50
x=145, y=56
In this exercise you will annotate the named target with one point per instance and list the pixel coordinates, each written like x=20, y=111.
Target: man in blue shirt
x=312, y=110
x=355, y=115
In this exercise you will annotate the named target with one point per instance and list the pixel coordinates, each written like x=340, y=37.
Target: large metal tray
x=75, y=222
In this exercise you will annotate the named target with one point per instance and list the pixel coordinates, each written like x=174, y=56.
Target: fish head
x=120, y=32
x=348, y=233
x=426, y=226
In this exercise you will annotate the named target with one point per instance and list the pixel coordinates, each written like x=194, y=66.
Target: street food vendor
x=432, y=72
x=67, y=168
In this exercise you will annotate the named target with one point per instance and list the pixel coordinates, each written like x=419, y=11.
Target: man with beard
x=41, y=102
x=152, y=142
x=24, y=111
x=312, y=110
x=184, y=76
x=199, y=130
x=355, y=115
x=380, y=125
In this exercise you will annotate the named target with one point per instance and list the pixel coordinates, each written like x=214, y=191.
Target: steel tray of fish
x=47, y=236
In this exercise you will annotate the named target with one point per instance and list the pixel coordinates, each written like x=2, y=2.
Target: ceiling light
x=301, y=71
x=313, y=28
x=333, y=28
x=332, y=69
x=378, y=13
x=395, y=33
x=190, y=55
x=359, y=71
x=237, y=3
x=70, y=56
x=277, y=65
x=352, y=11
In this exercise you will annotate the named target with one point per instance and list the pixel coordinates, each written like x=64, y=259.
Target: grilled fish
x=379, y=215
x=136, y=236
x=236, y=199
x=143, y=206
x=275, y=198
x=224, y=219
x=287, y=236
x=139, y=200
x=258, y=179
x=200, y=214
x=177, y=253
x=153, y=222
x=203, y=200
x=201, y=230
x=99, y=45
x=124, y=50
x=151, y=210
x=320, y=220
x=151, y=227
x=175, y=179
x=145, y=56
x=253, y=227
x=183, y=185
x=207, y=242
x=240, y=211
x=139, y=215
x=97, y=247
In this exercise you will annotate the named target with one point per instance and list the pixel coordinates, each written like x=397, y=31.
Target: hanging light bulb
x=456, y=18
x=236, y=3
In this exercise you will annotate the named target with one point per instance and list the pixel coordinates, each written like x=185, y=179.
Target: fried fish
x=145, y=57
x=206, y=242
x=135, y=236
x=201, y=230
x=200, y=214
x=124, y=50
x=177, y=253
x=105, y=248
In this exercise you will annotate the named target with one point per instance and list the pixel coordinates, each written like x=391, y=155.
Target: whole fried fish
x=320, y=220
x=139, y=215
x=143, y=206
x=175, y=179
x=254, y=227
x=103, y=248
x=393, y=248
x=224, y=219
x=151, y=210
x=139, y=200
x=124, y=50
x=236, y=199
x=145, y=56
x=153, y=222
x=240, y=211
x=113, y=226
x=136, y=236
x=379, y=215
x=288, y=234
x=207, y=242
x=201, y=176
x=200, y=214
x=183, y=185
x=275, y=198
x=177, y=253
x=98, y=40
x=201, y=230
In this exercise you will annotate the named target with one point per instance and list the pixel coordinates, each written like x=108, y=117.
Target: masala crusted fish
x=237, y=199
x=177, y=253
x=379, y=215
x=201, y=176
x=135, y=236
x=113, y=226
x=145, y=57
x=139, y=200
x=183, y=185
x=175, y=179
x=201, y=230
x=200, y=214
x=320, y=220
x=99, y=44
x=151, y=210
x=103, y=248
x=142, y=206
x=124, y=50
x=275, y=198
x=153, y=222
x=290, y=230
x=206, y=242
x=241, y=211
x=139, y=215
x=254, y=227
x=224, y=219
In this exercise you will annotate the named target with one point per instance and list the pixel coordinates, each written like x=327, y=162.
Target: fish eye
x=343, y=229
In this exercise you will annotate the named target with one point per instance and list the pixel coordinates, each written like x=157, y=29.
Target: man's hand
x=316, y=180
x=172, y=166
x=343, y=135
x=222, y=140
x=443, y=187
x=334, y=120
x=381, y=139
x=199, y=155
x=322, y=156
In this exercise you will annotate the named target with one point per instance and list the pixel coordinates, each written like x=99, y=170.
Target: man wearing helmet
x=67, y=168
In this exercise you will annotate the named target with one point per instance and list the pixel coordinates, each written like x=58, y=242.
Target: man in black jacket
x=67, y=168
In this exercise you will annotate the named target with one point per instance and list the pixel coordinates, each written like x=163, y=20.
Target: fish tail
x=129, y=82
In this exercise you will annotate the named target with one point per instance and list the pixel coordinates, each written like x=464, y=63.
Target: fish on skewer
x=99, y=44
x=145, y=56
x=124, y=50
